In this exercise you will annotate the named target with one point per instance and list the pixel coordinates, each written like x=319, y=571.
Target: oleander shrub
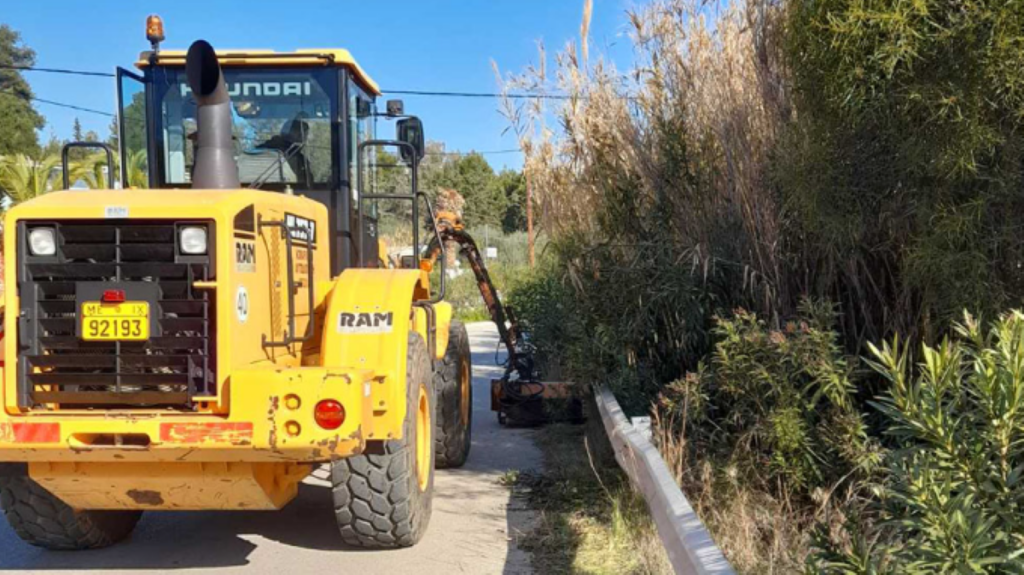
x=951, y=497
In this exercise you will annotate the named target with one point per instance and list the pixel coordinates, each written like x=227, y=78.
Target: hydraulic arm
x=520, y=354
x=518, y=395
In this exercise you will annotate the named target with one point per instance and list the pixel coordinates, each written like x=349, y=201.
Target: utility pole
x=529, y=216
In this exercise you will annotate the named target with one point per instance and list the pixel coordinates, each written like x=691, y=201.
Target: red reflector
x=32, y=432
x=329, y=414
x=113, y=296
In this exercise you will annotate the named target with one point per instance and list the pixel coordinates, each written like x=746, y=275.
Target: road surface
x=473, y=529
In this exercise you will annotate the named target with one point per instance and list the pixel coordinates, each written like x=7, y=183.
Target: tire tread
x=376, y=501
x=39, y=518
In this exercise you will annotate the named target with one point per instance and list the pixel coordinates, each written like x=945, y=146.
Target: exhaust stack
x=215, y=166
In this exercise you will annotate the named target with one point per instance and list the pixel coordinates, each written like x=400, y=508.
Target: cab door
x=132, y=129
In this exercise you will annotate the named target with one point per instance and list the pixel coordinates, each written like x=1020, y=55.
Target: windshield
x=282, y=126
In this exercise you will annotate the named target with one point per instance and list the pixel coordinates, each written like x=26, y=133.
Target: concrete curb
x=688, y=543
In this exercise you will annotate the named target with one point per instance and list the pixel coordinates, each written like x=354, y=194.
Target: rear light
x=329, y=414
x=113, y=296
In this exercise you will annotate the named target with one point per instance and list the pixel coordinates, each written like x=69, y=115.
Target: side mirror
x=410, y=131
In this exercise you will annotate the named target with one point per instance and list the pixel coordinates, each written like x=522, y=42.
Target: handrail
x=690, y=548
x=65, y=152
x=289, y=336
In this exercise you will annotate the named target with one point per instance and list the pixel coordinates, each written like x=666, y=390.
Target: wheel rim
x=464, y=387
x=424, y=441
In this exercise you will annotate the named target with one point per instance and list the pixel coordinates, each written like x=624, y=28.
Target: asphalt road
x=473, y=529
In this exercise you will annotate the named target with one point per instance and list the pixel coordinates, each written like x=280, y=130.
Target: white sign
x=242, y=304
x=492, y=253
x=300, y=228
x=245, y=255
x=115, y=212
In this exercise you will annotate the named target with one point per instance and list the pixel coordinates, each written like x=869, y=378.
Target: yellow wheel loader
x=207, y=334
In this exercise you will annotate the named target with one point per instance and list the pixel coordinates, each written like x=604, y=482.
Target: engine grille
x=174, y=365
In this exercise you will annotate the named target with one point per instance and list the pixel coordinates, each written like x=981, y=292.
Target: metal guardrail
x=691, y=550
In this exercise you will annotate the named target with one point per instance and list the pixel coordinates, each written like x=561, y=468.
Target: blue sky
x=423, y=45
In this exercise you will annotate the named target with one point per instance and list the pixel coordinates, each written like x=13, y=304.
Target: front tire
x=43, y=520
x=384, y=500
x=453, y=386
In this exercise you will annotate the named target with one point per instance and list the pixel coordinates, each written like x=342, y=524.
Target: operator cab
x=298, y=121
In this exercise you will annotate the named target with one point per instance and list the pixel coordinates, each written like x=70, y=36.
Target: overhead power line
x=61, y=104
x=436, y=93
x=484, y=152
x=515, y=96
x=57, y=71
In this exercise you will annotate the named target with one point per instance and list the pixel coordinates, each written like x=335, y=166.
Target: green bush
x=952, y=497
x=547, y=313
x=775, y=406
x=631, y=327
x=904, y=159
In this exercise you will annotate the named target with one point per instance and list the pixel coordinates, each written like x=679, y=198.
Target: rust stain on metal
x=234, y=433
x=275, y=404
x=145, y=497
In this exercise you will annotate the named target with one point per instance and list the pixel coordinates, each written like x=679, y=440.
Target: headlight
x=42, y=242
x=193, y=240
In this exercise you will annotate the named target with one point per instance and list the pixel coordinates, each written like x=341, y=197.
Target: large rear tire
x=43, y=520
x=384, y=500
x=453, y=386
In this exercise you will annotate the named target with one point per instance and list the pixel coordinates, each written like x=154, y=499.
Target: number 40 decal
x=242, y=304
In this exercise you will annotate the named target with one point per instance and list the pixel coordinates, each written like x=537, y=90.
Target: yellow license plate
x=126, y=321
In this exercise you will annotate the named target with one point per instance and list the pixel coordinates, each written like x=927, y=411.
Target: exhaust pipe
x=215, y=166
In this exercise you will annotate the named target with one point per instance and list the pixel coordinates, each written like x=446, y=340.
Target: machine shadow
x=201, y=539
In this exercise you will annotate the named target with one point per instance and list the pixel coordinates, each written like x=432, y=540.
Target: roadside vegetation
x=765, y=233
x=590, y=520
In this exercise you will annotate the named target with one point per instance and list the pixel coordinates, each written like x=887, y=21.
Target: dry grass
x=590, y=519
x=758, y=532
x=688, y=131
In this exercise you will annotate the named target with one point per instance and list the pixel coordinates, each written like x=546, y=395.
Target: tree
x=134, y=120
x=53, y=145
x=485, y=203
x=114, y=137
x=24, y=177
x=471, y=176
x=18, y=119
x=80, y=135
x=512, y=185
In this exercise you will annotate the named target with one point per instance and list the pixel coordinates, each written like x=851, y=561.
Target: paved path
x=472, y=530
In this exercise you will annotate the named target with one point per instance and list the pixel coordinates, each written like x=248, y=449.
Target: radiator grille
x=174, y=365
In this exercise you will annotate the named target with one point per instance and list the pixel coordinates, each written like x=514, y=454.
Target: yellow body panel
x=241, y=344
x=262, y=424
x=383, y=298
x=237, y=58
x=248, y=444
x=172, y=486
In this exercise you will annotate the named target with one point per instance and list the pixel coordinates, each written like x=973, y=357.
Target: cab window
x=361, y=109
x=281, y=124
